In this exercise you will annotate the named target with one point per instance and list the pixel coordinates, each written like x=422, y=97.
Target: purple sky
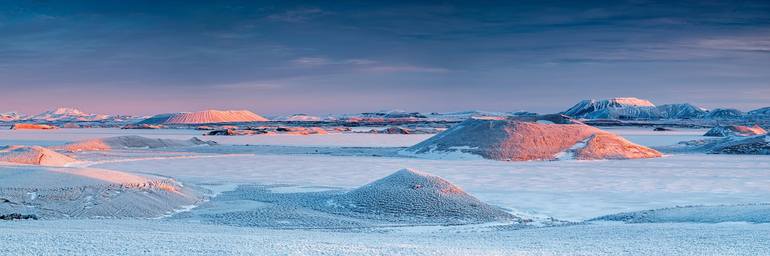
x=274, y=57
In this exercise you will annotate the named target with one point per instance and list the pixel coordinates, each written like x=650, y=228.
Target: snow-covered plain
x=62, y=136
x=569, y=191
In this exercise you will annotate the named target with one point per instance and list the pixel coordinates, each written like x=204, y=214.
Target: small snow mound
x=752, y=213
x=411, y=194
x=35, y=155
x=128, y=142
x=735, y=130
x=205, y=117
x=611, y=146
x=527, y=138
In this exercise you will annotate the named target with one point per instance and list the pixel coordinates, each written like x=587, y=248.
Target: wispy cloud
x=311, y=61
x=365, y=65
x=298, y=15
x=405, y=69
x=252, y=85
x=751, y=44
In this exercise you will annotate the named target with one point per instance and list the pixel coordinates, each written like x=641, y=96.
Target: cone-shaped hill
x=205, y=117
x=414, y=196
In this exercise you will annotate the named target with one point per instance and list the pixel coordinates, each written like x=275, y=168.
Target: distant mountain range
x=639, y=109
x=66, y=115
x=628, y=108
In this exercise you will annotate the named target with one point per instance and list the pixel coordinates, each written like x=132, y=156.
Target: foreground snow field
x=562, y=198
x=158, y=237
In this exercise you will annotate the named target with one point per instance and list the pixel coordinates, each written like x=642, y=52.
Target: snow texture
x=87, y=193
x=162, y=237
x=415, y=194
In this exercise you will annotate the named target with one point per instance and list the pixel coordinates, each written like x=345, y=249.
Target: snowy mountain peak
x=67, y=111
x=631, y=101
x=615, y=108
x=68, y=114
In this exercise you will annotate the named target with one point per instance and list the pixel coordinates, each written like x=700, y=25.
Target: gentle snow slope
x=33, y=155
x=88, y=192
x=128, y=142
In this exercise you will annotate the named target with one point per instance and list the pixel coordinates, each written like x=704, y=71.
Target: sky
x=318, y=57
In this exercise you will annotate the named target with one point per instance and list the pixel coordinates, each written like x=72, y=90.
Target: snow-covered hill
x=417, y=196
x=548, y=137
x=724, y=113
